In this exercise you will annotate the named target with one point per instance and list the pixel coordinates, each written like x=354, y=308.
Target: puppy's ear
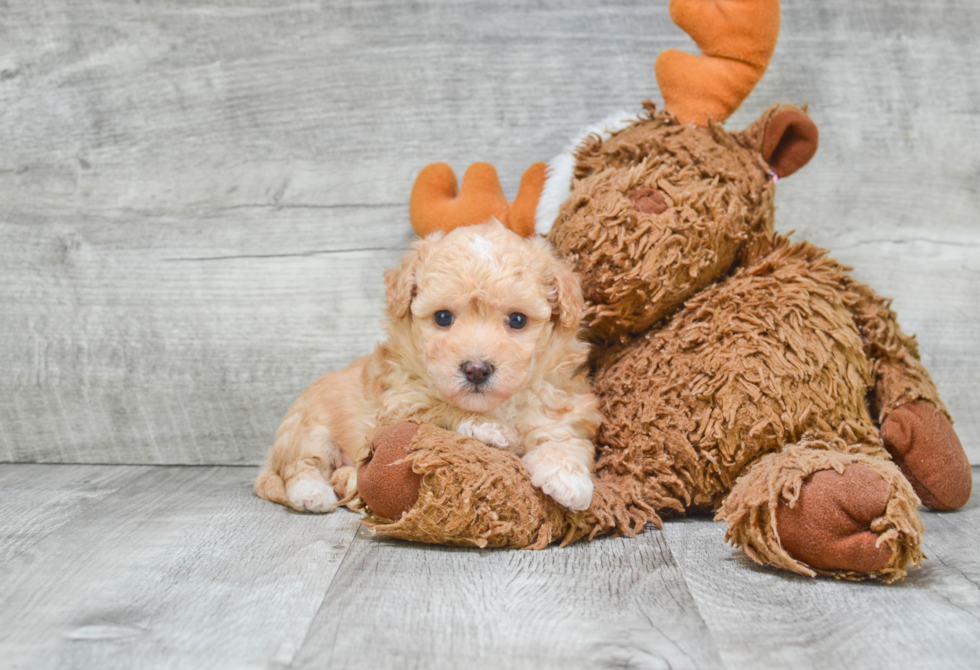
x=401, y=280
x=565, y=295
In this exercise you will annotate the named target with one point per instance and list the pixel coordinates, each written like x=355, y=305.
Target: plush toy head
x=659, y=210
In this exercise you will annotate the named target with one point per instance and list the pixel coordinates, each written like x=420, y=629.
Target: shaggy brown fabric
x=900, y=377
x=637, y=266
x=766, y=358
x=752, y=510
x=921, y=440
x=474, y=495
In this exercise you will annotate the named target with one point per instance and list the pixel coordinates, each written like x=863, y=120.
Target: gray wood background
x=197, y=199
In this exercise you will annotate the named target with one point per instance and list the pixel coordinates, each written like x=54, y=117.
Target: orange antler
x=435, y=204
x=736, y=37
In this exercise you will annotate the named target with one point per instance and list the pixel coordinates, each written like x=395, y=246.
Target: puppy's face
x=483, y=303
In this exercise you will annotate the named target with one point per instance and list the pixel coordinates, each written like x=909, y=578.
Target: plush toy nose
x=477, y=371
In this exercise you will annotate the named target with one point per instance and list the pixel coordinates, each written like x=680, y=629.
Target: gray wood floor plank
x=169, y=567
x=36, y=500
x=763, y=618
x=611, y=603
x=183, y=186
x=182, y=567
x=953, y=544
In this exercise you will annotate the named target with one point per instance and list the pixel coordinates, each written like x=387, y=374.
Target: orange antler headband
x=736, y=37
x=436, y=205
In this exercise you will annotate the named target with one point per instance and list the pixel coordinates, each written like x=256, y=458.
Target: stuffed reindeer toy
x=737, y=372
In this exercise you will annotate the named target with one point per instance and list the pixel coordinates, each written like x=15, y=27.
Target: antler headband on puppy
x=737, y=39
x=437, y=205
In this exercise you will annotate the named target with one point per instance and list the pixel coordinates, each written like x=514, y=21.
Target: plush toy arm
x=900, y=376
x=916, y=427
x=426, y=484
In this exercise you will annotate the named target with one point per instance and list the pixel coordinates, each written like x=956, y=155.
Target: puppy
x=482, y=339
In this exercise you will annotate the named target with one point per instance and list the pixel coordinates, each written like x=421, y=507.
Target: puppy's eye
x=516, y=320
x=443, y=318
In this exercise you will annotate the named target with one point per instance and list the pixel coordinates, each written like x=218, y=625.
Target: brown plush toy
x=737, y=372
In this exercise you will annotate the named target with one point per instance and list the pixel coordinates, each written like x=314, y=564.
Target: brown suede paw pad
x=829, y=525
x=924, y=446
x=387, y=483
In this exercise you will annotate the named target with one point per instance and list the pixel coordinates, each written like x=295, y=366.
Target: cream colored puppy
x=483, y=340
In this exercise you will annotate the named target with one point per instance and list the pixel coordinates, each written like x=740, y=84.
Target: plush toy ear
x=786, y=138
x=401, y=280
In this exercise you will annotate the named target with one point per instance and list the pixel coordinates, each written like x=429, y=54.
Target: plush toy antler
x=436, y=205
x=736, y=37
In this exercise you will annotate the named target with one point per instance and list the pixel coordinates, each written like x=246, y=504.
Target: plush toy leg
x=915, y=426
x=812, y=510
x=430, y=485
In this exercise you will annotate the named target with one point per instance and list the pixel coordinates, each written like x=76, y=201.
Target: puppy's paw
x=562, y=476
x=311, y=495
x=491, y=434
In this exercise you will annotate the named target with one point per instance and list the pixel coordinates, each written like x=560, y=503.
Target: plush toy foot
x=387, y=483
x=814, y=508
x=923, y=444
x=829, y=525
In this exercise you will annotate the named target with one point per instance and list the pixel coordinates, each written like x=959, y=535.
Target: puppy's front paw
x=310, y=495
x=491, y=434
x=562, y=476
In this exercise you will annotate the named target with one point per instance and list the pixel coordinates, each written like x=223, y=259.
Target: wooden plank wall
x=197, y=199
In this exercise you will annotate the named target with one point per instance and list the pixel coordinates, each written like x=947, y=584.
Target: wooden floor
x=160, y=566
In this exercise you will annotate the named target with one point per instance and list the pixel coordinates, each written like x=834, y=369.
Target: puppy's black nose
x=477, y=371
